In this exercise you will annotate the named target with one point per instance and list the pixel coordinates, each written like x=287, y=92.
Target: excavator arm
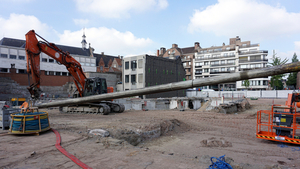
x=34, y=48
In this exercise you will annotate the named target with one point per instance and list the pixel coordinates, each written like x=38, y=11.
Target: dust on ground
x=152, y=140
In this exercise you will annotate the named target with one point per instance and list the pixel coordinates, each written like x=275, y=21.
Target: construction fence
x=267, y=94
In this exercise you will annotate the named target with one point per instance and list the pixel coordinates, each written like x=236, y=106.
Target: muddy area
x=151, y=139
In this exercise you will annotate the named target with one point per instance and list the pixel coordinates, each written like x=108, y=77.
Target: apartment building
x=225, y=59
x=145, y=71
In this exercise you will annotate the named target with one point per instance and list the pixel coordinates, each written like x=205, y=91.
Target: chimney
x=102, y=53
x=119, y=56
x=157, y=52
x=174, y=45
x=197, y=45
x=162, y=50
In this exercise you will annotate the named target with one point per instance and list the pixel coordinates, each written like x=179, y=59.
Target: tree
x=292, y=79
x=276, y=82
x=246, y=83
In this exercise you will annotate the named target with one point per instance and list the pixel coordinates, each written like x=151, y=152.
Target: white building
x=12, y=53
x=237, y=56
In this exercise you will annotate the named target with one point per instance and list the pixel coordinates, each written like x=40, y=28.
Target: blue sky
x=132, y=27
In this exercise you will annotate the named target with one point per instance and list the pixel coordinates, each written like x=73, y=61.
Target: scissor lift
x=281, y=123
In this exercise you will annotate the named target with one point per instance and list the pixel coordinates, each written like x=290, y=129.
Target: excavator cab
x=94, y=86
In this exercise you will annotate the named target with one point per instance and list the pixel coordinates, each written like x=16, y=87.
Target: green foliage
x=246, y=83
x=292, y=79
x=276, y=82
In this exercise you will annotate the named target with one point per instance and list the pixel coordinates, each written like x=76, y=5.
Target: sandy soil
x=162, y=139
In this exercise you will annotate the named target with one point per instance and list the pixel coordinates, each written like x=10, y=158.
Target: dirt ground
x=152, y=140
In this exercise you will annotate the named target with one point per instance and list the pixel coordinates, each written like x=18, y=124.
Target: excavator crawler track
x=103, y=108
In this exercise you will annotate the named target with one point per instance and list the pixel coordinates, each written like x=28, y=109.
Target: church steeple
x=83, y=42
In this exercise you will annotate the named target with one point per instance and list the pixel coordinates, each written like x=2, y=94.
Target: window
x=44, y=59
x=3, y=70
x=140, y=63
x=87, y=64
x=64, y=73
x=243, y=66
x=22, y=57
x=231, y=54
x=13, y=56
x=230, y=61
x=22, y=71
x=257, y=65
x=223, y=69
x=140, y=78
x=92, y=64
x=51, y=73
x=57, y=73
x=214, y=63
x=214, y=70
x=126, y=78
x=51, y=60
x=115, y=65
x=3, y=55
x=101, y=68
x=265, y=82
x=205, y=70
x=133, y=78
x=222, y=62
x=225, y=54
x=126, y=65
x=133, y=64
x=205, y=63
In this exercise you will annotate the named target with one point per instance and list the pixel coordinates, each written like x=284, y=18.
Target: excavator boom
x=34, y=48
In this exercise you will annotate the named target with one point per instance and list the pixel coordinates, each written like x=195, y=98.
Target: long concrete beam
x=232, y=77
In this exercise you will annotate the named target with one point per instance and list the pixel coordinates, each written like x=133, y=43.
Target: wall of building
x=139, y=70
x=112, y=79
x=160, y=71
x=46, y=80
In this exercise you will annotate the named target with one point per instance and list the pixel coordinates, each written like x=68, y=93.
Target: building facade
x=13, y=64
x=186, y=54
x=145, y=71
x=225, y=59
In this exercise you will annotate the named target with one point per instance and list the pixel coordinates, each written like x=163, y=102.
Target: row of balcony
x=220, y=57
x=257, y=60
x=253, y=52
x=216, y=72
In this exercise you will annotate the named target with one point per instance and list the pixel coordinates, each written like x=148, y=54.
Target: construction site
x=100, y=128
x=150, y=139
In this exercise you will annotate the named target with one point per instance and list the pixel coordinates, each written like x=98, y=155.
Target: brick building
x=186, y=54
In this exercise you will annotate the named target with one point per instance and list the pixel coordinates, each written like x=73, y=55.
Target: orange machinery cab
x=281, y=123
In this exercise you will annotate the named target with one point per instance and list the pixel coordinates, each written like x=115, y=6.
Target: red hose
x=70, y=156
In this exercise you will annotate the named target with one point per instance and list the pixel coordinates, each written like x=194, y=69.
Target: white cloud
x=297, y=45
x=109, y=41
x=81, y=22
x=289, y=54
x=17, y=25
x=119, y=8
x=247, y=18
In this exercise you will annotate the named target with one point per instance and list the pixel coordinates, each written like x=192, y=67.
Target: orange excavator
x=282, y=122
x=85, y=86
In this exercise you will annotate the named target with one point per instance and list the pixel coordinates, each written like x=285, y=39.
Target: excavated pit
x=134, y=136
